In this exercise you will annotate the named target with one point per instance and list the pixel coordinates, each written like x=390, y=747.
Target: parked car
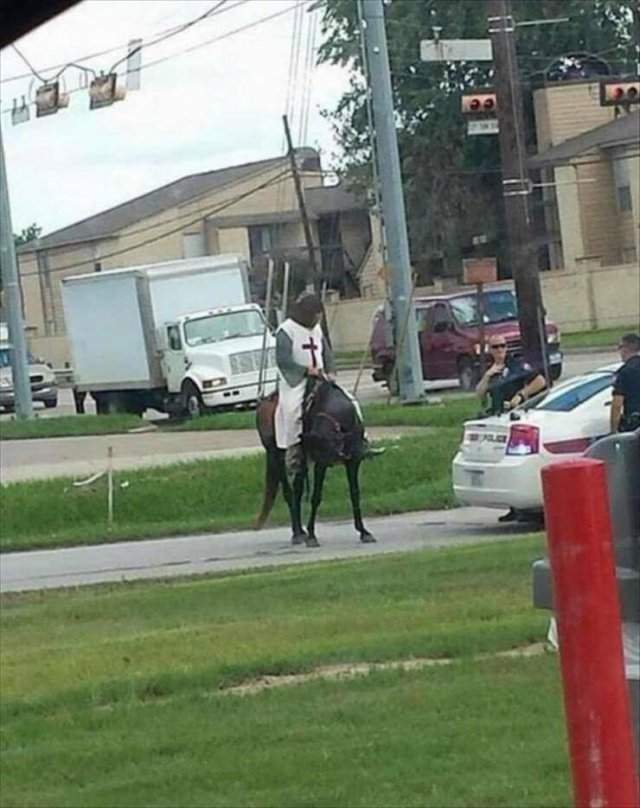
x=42, y=377
x=499, y=461
x=449, y=335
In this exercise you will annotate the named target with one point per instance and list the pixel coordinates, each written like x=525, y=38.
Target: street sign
x=483, y=126
x=480, y=270
x=456, y=50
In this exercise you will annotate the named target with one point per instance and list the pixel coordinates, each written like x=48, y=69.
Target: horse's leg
x=353, y=469
x=293, y=498
x=319, y=474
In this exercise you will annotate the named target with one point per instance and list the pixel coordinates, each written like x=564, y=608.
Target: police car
x=499, y=461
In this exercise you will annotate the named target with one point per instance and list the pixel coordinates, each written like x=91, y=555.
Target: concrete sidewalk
x=223, y=552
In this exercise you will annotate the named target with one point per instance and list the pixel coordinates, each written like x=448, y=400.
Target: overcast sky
x=218, y=106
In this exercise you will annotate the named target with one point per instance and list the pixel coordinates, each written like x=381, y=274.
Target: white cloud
x=219, y=105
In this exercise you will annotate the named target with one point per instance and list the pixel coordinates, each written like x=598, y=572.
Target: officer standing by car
x=625, y=406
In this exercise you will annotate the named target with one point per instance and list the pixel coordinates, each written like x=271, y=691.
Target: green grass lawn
x=115, y=695
x=217, y=495
x=454, y=412
x=602, y=338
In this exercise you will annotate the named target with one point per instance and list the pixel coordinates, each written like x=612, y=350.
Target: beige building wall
x=234, y=240
x=597, y=297
x=567, y=109
x=598, y=209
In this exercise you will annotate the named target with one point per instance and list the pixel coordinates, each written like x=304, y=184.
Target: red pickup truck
x=449, y=335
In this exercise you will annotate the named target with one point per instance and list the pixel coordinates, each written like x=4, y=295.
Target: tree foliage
x=27, y=234
x=452, y=181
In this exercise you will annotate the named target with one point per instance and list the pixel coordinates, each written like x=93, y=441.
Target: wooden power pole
x=515, y=180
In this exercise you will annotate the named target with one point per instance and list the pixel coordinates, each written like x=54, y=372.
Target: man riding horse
x=326, y=429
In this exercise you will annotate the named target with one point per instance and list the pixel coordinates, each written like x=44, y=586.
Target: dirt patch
x=351, y=670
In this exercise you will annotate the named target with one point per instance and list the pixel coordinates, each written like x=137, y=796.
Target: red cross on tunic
x=312, y=348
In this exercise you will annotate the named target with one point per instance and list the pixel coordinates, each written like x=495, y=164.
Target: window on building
x=261, y=240
x=97, y=267
x=623, y=184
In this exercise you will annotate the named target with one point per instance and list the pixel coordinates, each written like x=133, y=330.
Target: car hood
x=225, y=348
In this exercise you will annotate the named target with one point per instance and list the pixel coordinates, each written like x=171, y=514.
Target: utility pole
x=516, y=187
x=13, y=299
x=317, y=285
x=301, y=204
x=408, y=362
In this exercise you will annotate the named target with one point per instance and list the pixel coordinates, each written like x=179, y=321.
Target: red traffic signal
x=614, y=92
x=478, y=103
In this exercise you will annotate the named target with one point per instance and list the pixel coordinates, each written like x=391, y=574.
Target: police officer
x=508, y=382
x=625, y=407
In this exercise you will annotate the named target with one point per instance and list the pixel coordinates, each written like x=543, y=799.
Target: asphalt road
x=81, y=457
x=198, y=555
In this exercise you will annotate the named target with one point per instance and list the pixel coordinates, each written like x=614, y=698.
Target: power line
x=199, y=218
x=106, y=51
x=219, y=38
x=166, y=36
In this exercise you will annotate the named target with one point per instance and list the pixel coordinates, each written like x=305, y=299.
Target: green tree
x=451, y=181
x=28, y=234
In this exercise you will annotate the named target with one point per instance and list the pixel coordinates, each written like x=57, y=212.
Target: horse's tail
x=271, y=484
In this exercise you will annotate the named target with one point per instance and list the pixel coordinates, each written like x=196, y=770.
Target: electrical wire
x=177, y=31
x=203, y=215
x=219, y=38
x=106, y=51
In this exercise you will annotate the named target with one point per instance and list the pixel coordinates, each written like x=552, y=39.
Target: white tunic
x=307, y=349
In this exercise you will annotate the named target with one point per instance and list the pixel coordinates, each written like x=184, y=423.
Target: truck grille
x=249, y=361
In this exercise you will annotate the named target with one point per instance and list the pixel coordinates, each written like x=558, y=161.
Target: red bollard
x=586, y=604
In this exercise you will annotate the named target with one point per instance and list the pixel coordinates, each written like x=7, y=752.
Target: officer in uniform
x=508, y=382
x=625, y=406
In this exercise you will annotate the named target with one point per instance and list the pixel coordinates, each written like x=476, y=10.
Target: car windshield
x=570, y=396
x=499, y=307
x=5, y=358
x=219, y=327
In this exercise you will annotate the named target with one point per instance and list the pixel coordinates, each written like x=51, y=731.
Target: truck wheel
x=192, y=400
x=467, y=374
x=50, y=403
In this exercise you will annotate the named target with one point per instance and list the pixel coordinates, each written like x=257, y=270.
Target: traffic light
x=479, y=103
x=614, y=92
x=103, y=91
x=49, y=99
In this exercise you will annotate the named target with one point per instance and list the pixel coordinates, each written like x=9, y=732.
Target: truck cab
x=215, y=358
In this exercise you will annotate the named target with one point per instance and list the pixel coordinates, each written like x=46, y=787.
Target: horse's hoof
x=367, y=538
x=311, y=541
x=299, y=538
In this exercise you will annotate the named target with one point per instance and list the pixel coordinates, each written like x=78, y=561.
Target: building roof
x=624, y=131
x=333, y=199
x=111, y=221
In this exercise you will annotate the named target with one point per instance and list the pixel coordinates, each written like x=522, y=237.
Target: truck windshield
x=499, y=307
x=5, y=358
x=218, y=327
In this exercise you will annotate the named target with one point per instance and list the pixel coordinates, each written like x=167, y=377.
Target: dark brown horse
x=333, y=434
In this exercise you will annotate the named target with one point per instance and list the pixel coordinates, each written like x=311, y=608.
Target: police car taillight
x=524, y=439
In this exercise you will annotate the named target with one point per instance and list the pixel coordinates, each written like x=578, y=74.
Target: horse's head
x=332, y=429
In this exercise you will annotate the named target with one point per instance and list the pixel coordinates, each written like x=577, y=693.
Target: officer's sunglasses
x=497, y=347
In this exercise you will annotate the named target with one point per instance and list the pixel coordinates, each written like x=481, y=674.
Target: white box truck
x=181, y=337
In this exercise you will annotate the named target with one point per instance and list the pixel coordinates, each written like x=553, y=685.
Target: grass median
x=216, y=495
x=451, y=413
x=118, y=694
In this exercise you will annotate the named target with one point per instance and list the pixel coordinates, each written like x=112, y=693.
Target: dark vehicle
x=449, y=335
